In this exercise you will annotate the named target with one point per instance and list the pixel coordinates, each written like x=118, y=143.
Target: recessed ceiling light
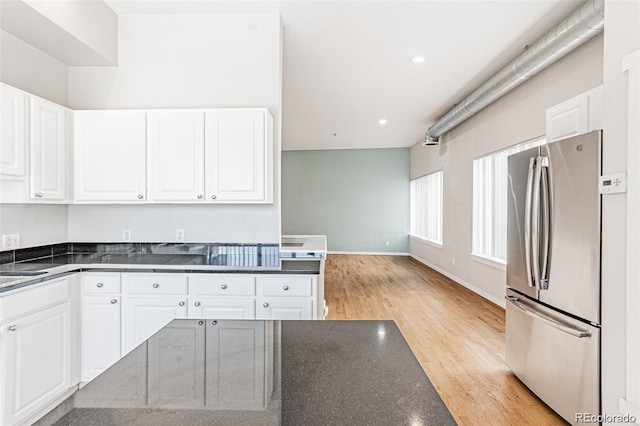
x=418, y=59
x=382, y=121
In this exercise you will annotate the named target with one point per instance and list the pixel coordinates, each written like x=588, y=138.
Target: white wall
x=29, y=69
x=182, y=61
x=517, y=117
x=622, y=37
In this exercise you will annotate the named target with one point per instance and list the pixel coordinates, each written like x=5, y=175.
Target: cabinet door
x=223, y=308
x=177, y=366
x=570, y=118
x=144, y=316
x=236, y=160
x=48, y=151
x=38, y=361
x=13, y=132
x=100, y=335
x=176, y=155
x=287, y=309
x=236, y=354
x=110, y=155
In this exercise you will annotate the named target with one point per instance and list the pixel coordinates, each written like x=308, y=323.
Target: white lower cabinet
x=101, y=334
x=37, y=350
x=286, y=309
x=144, y=316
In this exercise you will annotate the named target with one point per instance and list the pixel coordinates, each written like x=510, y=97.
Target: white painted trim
x=370, y=253
x=625, y=408
x=489, y=262
x=631, y=64
x=500, y=302
x=425, y=241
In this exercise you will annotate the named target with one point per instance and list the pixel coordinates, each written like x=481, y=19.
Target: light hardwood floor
x=457, y=336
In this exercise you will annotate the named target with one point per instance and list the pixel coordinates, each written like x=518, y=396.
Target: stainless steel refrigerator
x=553, y=273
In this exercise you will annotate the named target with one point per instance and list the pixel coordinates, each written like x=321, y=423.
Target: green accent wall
x=358, y=198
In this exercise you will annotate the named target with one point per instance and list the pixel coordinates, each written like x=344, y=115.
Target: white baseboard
x=498, y=301
x=370, y=253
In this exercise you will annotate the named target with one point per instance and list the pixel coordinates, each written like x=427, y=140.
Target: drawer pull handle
x=100, y=285
x=13, y=327
x=266, y=305
x=223, y=286
x=285, y=288
x=156, y=285
x=114, y=301
x=180, y=303
x=38, y=194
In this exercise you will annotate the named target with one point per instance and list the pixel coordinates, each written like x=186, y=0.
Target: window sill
x=490, y=261
x=425, y=241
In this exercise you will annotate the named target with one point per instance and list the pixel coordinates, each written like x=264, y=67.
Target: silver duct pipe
x=580, y=26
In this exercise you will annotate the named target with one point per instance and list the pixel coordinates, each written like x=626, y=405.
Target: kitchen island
x=219, y=372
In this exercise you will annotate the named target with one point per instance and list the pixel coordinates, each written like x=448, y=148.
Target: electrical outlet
x=179, y=235
x=126, y=235
x=453, y=261
x=386, y=243
x=10, y=241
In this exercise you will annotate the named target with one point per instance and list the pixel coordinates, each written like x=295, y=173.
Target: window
x=490, y=202
x=426, y=207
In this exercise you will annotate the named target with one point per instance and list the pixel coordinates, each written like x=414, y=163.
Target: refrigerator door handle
x=527, y=222
x=546, y=223
x=535, y=221
x=550, y=321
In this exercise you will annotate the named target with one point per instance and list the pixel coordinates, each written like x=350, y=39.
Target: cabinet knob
x=223, y=286
x=197, y=303
x=180, y=303
x=100, y=285
x=266, y=305
x=156, y=285
x=38, y=194
x=200, y=197
x=114, y=301
x=213, y=197
x=12, y=327
x=140, y=197
x=214, y=322
x=200, y=322
x=285, y=288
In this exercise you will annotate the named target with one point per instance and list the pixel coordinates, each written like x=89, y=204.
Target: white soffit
x=76, y=33
x=347, y=64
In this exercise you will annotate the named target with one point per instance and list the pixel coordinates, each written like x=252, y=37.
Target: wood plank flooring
x=457, y=335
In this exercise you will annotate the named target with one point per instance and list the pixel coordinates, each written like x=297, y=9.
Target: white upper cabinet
x=176, y=155
x=110, y=155
x=575, y=116
x=47, y=135
x=13, y=132
x=238, y=156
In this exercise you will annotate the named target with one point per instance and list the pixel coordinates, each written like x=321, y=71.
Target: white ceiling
x=346, y=63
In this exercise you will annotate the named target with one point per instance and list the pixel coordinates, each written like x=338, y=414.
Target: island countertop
x=217, y=372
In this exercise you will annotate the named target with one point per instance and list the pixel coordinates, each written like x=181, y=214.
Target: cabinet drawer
x=101, y=283
x=223, y=285
x=25, y=302
x=287, y=286
x=159, y=284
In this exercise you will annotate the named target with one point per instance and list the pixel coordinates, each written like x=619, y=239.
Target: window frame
x=431, y=225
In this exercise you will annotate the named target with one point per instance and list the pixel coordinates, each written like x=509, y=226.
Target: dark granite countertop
x=208, y=372
x=25, y=267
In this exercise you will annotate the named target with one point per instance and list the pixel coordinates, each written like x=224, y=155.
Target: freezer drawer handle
x=553, y=323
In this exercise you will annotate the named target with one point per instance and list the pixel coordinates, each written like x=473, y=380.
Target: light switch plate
x=613, y=183
x=10, y=241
